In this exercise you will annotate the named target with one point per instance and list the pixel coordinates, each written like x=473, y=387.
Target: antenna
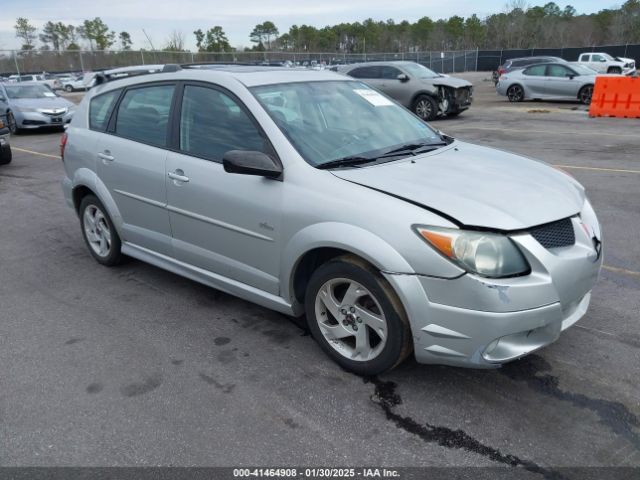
x=148, y=40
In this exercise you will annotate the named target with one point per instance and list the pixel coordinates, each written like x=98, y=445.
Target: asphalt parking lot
x=136, y=366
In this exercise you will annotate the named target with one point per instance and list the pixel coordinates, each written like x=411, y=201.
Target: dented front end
x=480, y=322
x=453, y=99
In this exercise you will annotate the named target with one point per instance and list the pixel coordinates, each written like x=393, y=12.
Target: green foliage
x=98, y=34
x=125, y=40
x=264, y=33
x=25, y=32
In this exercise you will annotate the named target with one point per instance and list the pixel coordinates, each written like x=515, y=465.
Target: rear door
x=131, y=163
x=535, y=81
x=225, y=223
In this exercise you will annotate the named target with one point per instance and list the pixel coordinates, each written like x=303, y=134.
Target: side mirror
x=248, y=162
x=403, y=77
x=570, y=75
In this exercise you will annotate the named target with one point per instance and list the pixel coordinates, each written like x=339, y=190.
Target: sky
x=238, y=17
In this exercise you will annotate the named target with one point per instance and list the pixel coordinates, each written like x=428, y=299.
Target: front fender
x=85, y=177
x=343, y=236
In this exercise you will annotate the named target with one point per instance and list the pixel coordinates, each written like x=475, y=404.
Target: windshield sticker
x=374, y=98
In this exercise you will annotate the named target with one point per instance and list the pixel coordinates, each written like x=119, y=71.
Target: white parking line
x=598, y=169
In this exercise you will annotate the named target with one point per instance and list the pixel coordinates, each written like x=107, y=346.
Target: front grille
x=555, y=234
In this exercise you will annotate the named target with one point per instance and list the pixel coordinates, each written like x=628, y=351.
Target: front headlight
x=486, y=254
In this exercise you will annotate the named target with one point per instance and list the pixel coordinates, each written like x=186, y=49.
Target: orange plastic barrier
x=616, y=96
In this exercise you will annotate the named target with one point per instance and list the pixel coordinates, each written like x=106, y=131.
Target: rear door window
x=100, y=109
x=535, y=71
x=366, y=72
x=143, y=114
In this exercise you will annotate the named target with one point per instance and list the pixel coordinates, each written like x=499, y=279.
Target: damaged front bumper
x=478, y=322
x=454, y=100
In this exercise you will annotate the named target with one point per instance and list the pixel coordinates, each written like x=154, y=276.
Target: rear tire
x=515, y=93
x=425, y=107
x=98, y=232
x=68, y=88
x=356, y=317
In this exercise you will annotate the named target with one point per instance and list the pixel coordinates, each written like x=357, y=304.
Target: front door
x=225, y=223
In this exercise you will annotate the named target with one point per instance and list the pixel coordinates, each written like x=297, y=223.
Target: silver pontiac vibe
x=313, y=194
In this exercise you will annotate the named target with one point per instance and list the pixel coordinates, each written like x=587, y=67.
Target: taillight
x=501, y=71
x=63, y=144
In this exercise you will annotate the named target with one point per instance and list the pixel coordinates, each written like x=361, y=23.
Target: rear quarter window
x=100, y=109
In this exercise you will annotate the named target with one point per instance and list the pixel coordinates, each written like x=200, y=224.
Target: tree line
x=518, y=26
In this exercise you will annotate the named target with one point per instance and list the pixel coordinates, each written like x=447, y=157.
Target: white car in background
x=604, y=63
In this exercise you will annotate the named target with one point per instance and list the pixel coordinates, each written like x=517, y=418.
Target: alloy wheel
x=351, y=319
x=96, y=229
x=424, y=109
x=515, y=93
x=585, y=95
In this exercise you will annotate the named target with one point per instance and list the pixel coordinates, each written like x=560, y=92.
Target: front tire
x=356, y=317
x=425, y=107
x=585, y=94
x=99, y=233
x=68, y=88
x=11, y=123
x=515, y=93
x=5, y=155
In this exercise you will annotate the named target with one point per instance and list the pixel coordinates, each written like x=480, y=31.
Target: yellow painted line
x=598, y=169
x=555, y=132
x=24, y=150
x=621, y=270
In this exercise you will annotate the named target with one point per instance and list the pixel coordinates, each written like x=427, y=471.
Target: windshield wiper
x=346, y=162
x=412, y=148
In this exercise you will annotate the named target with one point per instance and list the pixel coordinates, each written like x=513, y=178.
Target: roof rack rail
x=133, y=71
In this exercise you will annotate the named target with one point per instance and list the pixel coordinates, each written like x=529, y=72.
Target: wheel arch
x=419, y=93
x=86, y=182
x=318, y=244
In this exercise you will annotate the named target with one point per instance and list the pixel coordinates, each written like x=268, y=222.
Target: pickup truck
x=604, y=63
x=5, y=147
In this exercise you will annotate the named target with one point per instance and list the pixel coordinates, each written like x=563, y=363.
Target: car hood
x=48, y=102
x=477, y=186
x=448, y=82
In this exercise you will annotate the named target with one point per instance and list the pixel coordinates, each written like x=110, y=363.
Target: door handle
x=178, y=176
x=106, y=156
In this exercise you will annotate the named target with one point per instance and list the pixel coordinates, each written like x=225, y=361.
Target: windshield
x=29, y=91
x=327, y=121
x=419, y=71
x=608, y=57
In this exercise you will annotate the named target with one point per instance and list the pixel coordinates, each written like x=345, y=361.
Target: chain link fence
x=33, y=62
x=26, y=62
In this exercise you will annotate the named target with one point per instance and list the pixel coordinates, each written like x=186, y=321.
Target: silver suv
x=311, y=193
x=426, y=93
